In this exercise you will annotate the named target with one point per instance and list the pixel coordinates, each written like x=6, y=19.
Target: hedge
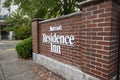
x=24, y=48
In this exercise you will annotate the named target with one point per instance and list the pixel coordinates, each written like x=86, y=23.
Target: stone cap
x=37, y=19
x=91, y=1
x=61, y=17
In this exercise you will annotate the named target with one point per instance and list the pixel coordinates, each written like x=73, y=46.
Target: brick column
x=35, y=34
x=116, y=33
x=0, y=32
x=99, y=39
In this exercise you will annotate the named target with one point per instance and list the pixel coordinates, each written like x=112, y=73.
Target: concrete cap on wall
x=91, y=1
x=62, y=17
x=37, y=19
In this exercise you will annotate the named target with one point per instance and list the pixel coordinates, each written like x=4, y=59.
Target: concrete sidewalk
x=12, y=68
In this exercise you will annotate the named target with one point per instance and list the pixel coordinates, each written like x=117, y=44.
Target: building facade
x=4, y=14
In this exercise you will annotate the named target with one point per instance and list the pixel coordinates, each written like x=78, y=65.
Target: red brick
x=109, y=38
x=96, y=46
x=108, y=10
x=98, y=20
x=91, y=50
x=104, y=33
x=97, y=38
x=103, y=43
x=98, y=11
x=90, y=57
x=105, y=5
x=103, y=61
x=104, y=24
x=102, y=70
x=96, y=72
x=97, y=29
x=96, y=55
x=92, y=17
x=92, y=8
x=92, y=25
x=103, y=52
x=91, y=66
x=107, y=29
x=105, y=15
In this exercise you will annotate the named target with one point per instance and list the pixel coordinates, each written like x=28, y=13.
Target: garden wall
x=82, y=45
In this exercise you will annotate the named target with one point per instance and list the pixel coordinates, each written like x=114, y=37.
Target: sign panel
x=57, y=40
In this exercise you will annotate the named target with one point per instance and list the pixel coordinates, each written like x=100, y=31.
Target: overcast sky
x=4, y=11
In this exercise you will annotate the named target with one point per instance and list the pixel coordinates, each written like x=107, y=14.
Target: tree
x=19, y=23
x=36, y=9
x=44, y=8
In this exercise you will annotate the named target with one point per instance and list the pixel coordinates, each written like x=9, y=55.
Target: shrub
x=24, y=48
x=22, y=32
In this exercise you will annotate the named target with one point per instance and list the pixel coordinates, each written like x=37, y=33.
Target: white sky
x=4, y=11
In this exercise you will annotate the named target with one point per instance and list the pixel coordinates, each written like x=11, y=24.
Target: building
x=4, y=13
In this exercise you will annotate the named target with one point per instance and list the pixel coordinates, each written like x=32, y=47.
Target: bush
x=22, y=32
x=24, y=48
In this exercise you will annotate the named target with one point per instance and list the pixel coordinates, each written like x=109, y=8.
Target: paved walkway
x=12, y=68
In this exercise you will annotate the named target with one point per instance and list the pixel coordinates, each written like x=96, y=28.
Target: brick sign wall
x=71, y=27
x=87, y=40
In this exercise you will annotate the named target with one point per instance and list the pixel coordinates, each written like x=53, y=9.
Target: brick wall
x=99, y=56
x=96, y=38
x=35, y=35
x=71, y=26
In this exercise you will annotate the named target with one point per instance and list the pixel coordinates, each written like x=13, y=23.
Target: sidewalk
x=12, y=68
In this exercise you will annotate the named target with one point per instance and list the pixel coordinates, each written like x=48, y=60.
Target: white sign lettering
x=56, y=28
x=55, y=48
x=57, y=40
